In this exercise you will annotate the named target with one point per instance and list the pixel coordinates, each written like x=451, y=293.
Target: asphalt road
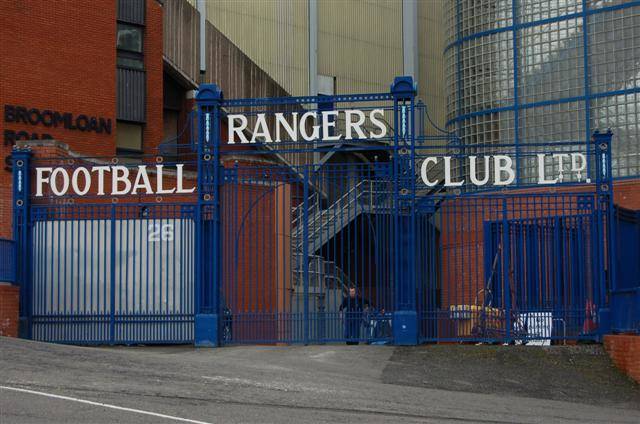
x=45, y=383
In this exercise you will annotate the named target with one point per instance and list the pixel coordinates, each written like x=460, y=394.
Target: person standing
x=352, y=307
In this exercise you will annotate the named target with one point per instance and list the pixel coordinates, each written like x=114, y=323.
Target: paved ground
x=43, y=383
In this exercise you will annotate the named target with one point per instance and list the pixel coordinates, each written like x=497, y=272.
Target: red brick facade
x=61, y=57
x=625, y=353
x=627, y=194
x=9, y=301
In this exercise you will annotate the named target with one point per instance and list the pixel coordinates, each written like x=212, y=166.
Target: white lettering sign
x=308, y=126
x=61, y=181
x=479, y=169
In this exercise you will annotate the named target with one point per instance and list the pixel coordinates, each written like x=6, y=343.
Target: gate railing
x=320, y=270
x=7, y=261
x=387, y=257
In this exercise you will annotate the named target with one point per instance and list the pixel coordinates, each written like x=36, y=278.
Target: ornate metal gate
x=314, y=220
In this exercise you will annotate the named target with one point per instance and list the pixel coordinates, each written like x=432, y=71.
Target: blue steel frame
x=625, y=294
x=207, y=284
x=517, y=106
x=210, y=102
x=405, y=228
x=22, y=234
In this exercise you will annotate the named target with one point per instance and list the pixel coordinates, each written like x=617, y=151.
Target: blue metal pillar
x=22, y=234
x=208, y=236
x=405, y=322
x=605, y=242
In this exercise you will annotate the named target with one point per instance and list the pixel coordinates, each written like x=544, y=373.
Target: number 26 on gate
x=159, y=232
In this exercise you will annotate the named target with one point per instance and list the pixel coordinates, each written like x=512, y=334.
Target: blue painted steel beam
x=522, y=106
x=344, y=98
x=405, y=327
x=21, y=159
x=208, y=242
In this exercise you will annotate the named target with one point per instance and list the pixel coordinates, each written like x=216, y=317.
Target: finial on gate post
x=209, y=95
x=208, y=100
x=403, y=87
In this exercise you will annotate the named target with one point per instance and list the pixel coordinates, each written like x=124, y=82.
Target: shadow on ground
x=582, y=373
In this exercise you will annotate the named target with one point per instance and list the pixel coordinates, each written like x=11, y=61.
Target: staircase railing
x=313, y=206
x=354, y=195
x=321, y=270
x=365, y=195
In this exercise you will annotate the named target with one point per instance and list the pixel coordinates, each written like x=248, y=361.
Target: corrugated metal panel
x=360, y=43
x=431, y=75
x=181, y=41
x=273, y=34
x=131, y=95
x=131, y=11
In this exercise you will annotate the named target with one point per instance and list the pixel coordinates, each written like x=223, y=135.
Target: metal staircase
x=326, y=279
x=324, y=224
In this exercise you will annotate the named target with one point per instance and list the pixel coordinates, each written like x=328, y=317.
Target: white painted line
x=104, y=405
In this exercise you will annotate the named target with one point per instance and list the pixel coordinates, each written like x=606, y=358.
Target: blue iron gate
x=625, y=294
x=313, y=220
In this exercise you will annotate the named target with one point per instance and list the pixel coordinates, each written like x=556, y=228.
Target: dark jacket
x=355, y=304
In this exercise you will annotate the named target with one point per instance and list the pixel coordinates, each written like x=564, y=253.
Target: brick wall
x=627, y=194
x=153, y=129
x=61, y=56
x=9, y=304
x=624, y=351
x=54, y=59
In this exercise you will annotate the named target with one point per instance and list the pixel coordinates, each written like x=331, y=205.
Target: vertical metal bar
x=305, y=254
x=606, y=242
x=516, y=79
x=459, y=66
x=506, y=268
x=112, y=276
x=587, y=82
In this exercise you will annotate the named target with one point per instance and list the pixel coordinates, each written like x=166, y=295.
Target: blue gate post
x=405, y=319
x=208, y=242
x=22, y=234
x=605, y=237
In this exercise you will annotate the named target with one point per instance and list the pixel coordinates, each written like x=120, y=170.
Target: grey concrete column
x=410, y=38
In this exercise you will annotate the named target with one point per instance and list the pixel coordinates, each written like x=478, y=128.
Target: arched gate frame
x=280, y=227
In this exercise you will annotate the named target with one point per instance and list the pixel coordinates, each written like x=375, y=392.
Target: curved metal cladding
x=543, y=71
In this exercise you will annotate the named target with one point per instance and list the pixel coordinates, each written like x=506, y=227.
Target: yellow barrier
x=468, y=317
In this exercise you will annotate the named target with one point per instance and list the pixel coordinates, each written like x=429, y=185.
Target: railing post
x=21, y=158
x=506, y=271
x=112, y=279
x=606, y=242
x=405, y=321
x=305, y=255
x=208, y=244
